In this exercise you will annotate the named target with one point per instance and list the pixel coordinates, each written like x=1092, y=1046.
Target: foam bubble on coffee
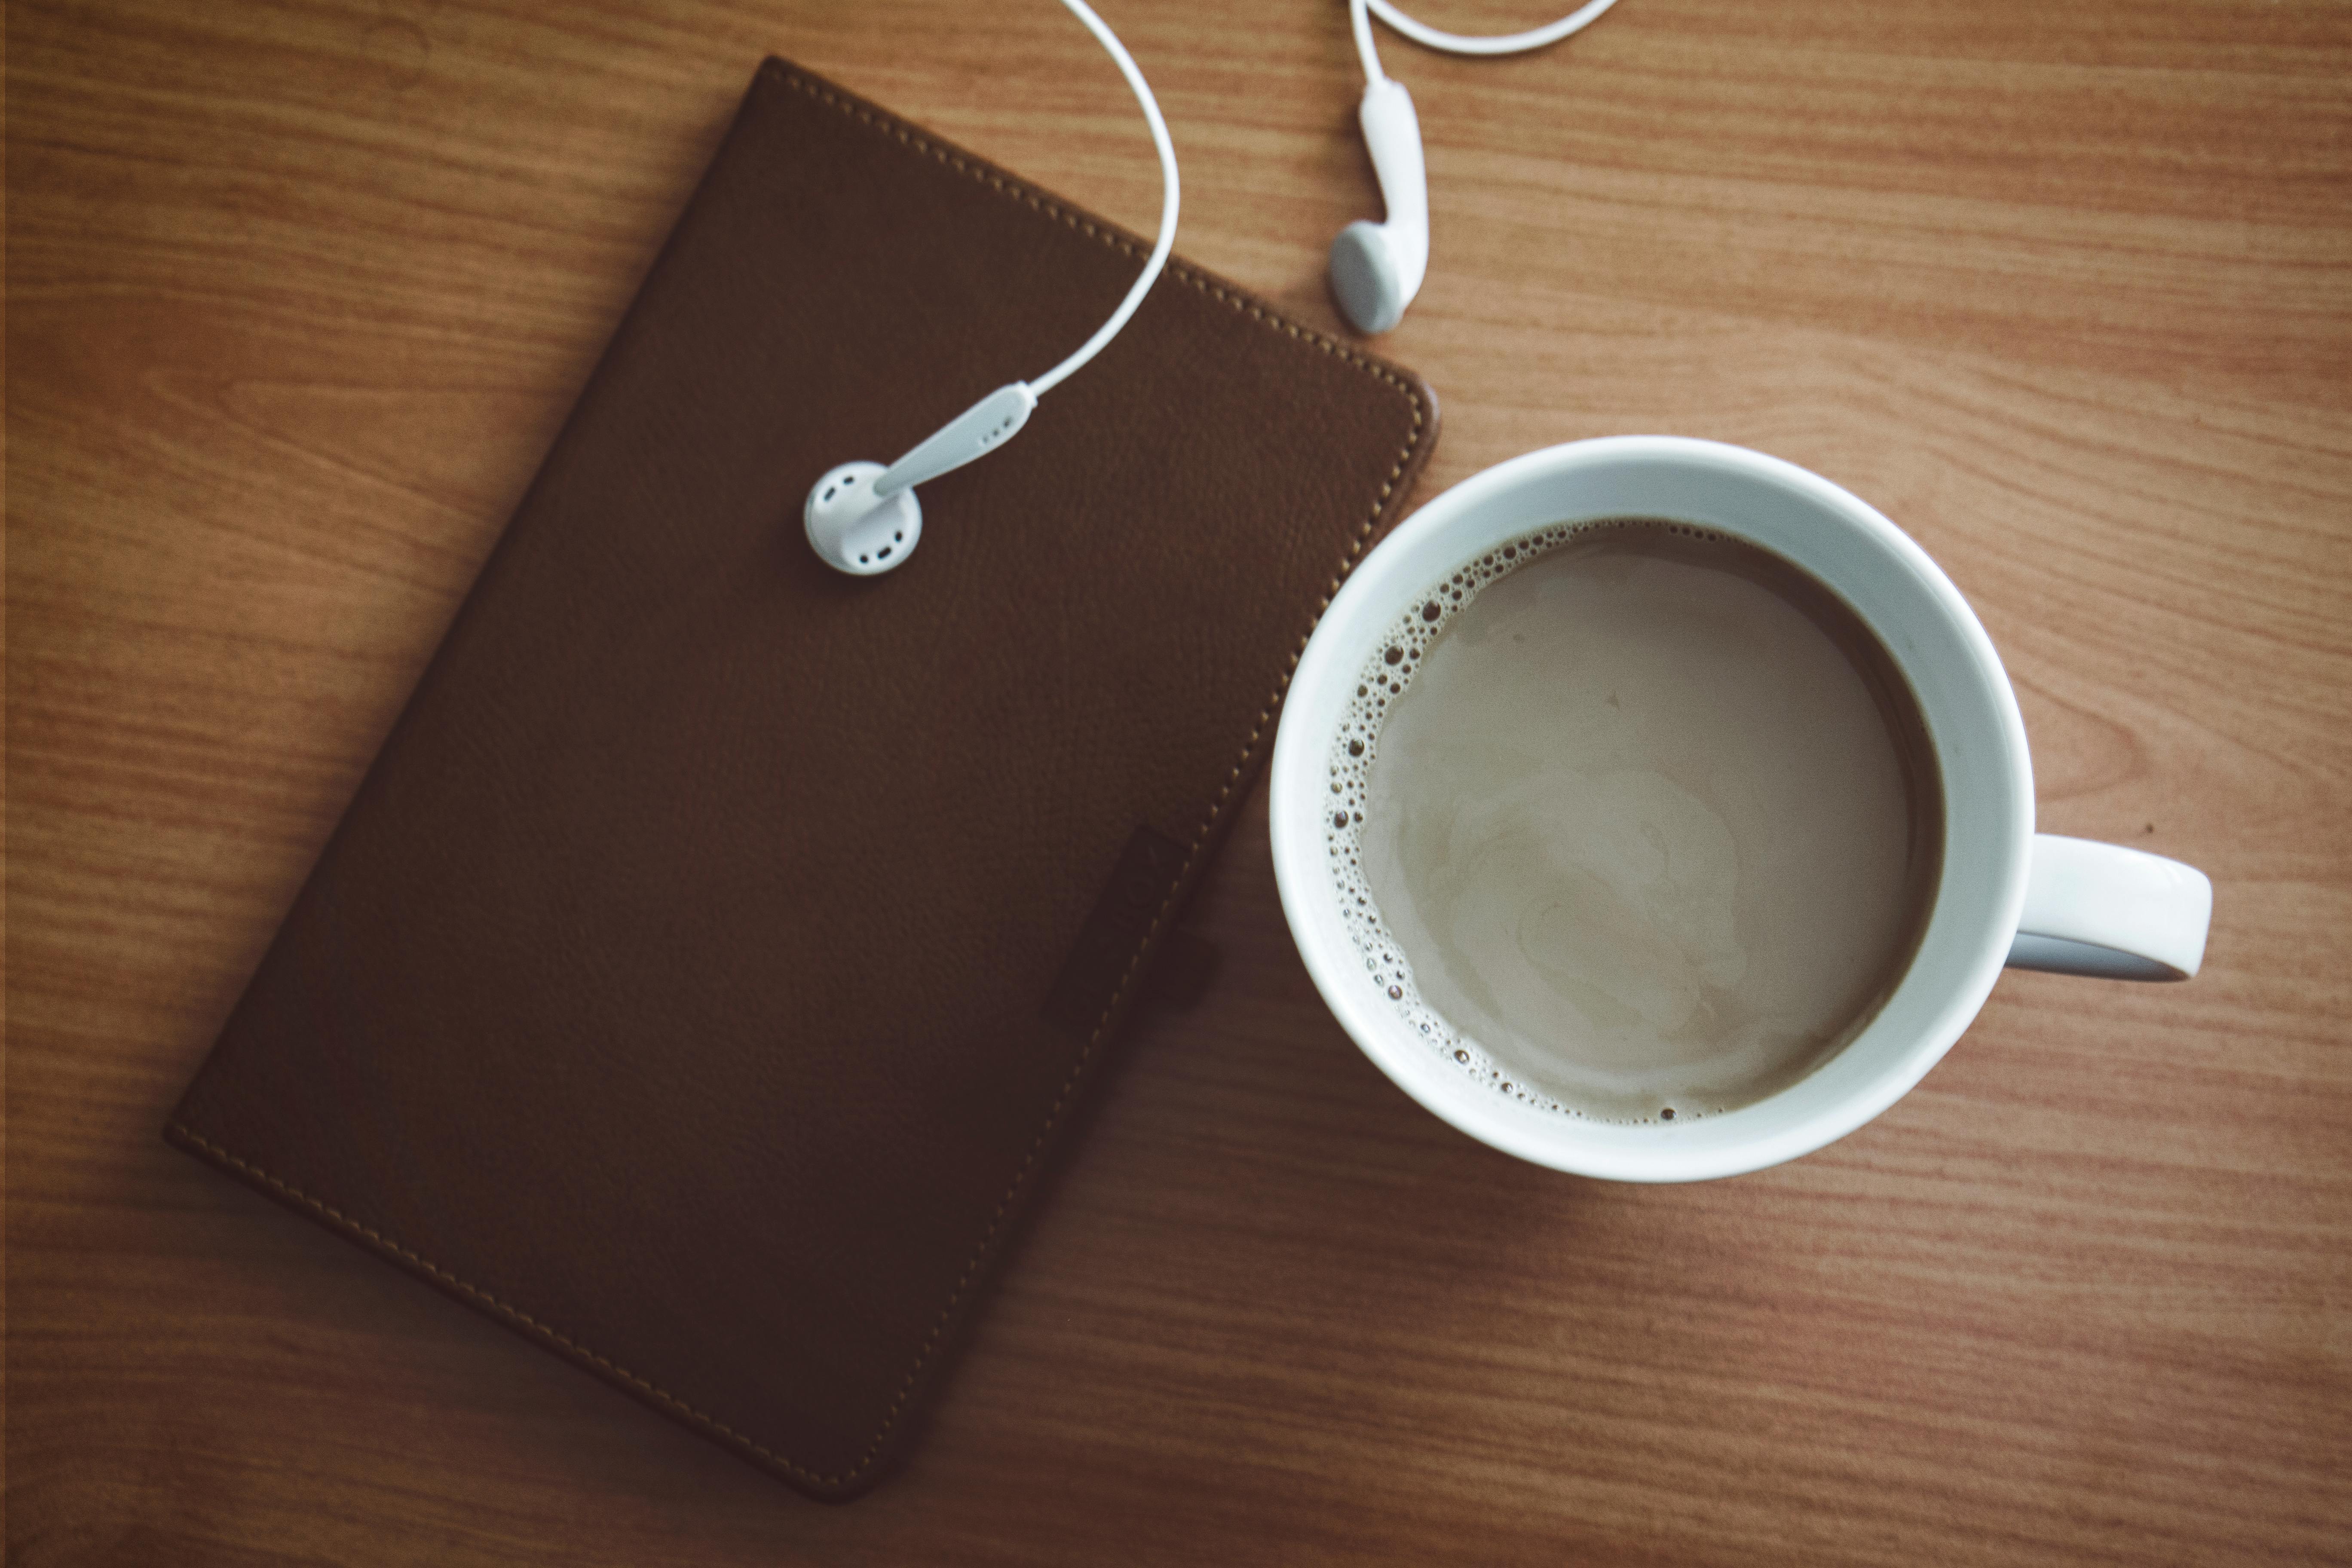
x=1656, y=854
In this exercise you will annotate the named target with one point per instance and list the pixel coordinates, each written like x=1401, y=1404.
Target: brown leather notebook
x=714, y=954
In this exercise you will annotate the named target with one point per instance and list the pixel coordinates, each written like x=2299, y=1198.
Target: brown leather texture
x=713, y=956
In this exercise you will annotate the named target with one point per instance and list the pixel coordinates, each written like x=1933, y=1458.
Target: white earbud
x=862, y=518
x=1376, y=268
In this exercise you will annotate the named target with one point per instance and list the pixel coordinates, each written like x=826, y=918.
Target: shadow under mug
x=2005, y=894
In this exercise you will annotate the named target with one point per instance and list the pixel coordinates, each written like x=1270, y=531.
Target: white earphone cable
x=1457, y=43
x=1360, y=22
x=1168, y=203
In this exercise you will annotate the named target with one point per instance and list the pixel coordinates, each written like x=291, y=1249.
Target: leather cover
x=716, y=951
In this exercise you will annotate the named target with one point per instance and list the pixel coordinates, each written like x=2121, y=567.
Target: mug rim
x=1969, y=938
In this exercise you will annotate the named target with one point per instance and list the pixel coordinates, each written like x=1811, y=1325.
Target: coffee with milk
x=1634, y=821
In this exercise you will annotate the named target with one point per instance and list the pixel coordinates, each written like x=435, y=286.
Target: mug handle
x=2116, y=913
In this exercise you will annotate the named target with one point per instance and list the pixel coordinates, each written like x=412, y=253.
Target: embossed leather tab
x=1133, y=901
x=694, y=984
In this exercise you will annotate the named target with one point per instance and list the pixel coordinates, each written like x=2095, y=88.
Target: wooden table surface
x=298, y=292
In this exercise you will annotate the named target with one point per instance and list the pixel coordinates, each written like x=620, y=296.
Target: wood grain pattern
x=298, y=292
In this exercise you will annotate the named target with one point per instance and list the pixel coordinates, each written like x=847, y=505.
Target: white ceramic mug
x=2007, y=895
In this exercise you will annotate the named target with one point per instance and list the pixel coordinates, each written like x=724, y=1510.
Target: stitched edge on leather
x=772, y=70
